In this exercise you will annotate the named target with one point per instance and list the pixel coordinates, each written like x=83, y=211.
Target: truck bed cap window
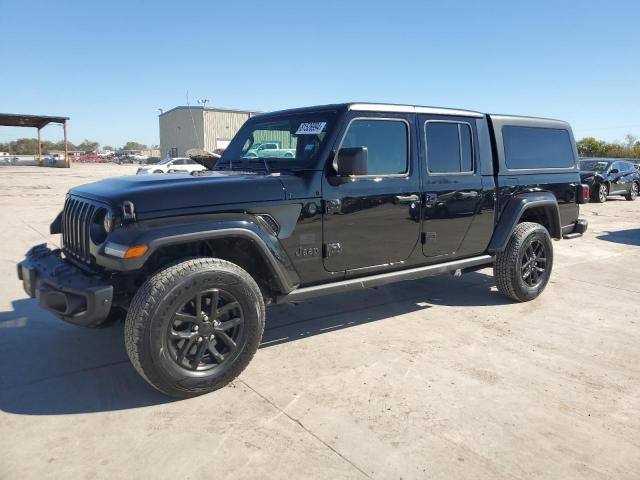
x=536, y=148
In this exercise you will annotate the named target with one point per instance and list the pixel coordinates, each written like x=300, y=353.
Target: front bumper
x=64, y=289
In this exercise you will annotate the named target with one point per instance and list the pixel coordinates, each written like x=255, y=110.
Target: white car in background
x=171, y=165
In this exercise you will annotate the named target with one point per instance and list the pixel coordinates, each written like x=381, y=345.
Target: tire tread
x=505, y=262
x=151, y=293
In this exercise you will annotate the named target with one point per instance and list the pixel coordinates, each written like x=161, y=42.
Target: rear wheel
x=194, y=326
x=523, y=269
x=633, y=192
x=158, y=171
x=601, y=193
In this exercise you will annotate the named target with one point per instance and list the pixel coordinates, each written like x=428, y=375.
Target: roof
x=208, y=109
x=385, y=107
x=393, y=108
x=35, y=121
x=611, y=159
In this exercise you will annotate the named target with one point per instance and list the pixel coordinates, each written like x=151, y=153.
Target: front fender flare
x=158, y=234
x=514, y=211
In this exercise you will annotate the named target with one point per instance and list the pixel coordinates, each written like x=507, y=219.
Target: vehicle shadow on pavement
x=286, y=323
x=627, y=237
x=48, y=367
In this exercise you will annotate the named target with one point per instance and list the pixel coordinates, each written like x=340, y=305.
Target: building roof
x=209, y=109
x=35, y=121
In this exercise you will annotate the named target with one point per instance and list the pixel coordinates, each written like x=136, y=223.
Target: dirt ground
x=436, y=378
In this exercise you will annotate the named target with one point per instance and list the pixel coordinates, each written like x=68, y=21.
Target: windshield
x=594, y=166
x=164, y=161
x=280, y=141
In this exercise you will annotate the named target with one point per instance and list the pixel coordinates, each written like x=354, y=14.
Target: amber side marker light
x=136, y=251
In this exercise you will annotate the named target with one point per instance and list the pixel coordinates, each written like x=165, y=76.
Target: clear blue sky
x=108, y=65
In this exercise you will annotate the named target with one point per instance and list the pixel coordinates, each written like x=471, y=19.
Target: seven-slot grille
x=76, y=228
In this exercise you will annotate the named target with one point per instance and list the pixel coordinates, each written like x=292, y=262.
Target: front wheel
x=194, y=326
x=523, y=269
x=633, y=192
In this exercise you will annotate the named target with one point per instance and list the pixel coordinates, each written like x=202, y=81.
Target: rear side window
x=536, y=148
x=449, y=147
x=387, y=142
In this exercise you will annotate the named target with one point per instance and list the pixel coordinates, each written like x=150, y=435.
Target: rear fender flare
x=514, y=211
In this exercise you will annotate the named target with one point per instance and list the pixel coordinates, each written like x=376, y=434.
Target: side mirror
x=352, y=161
x=614, y=170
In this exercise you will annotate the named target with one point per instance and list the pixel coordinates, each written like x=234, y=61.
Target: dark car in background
x=607, y=176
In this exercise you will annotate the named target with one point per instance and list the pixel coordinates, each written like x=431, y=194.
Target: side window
x=537, y=148
x=449, y=147
x=387, y=142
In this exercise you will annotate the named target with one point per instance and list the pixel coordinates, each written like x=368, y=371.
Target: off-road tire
x=633, y=192
x=600, y=193
x=508, y=264
x=153, y=307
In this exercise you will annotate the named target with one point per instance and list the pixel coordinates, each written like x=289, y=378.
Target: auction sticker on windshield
x=311, y=128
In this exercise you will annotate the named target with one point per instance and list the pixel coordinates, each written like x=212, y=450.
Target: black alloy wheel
x=193, y=326
x=534, y=263
x=522, y=270
x=204, y=332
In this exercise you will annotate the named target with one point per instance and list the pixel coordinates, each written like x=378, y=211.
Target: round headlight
x=107, y=222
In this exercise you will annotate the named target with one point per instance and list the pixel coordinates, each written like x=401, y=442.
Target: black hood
x=151, y=193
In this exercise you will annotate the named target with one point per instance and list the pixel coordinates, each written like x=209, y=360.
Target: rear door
x=629, y=174
x=452, y=182
x=368, y=219
x=177, y=165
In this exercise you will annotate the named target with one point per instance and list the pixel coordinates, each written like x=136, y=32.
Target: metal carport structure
x=39, y=122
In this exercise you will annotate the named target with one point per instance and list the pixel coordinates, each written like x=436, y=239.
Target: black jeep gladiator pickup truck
x=354, y=196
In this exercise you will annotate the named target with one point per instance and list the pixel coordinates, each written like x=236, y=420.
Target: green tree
x=24, y=146
x=88, y=146
x=630, y=140
x=131, y=145
x=590, y=147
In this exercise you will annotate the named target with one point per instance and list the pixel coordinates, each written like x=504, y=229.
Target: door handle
x=402, y=199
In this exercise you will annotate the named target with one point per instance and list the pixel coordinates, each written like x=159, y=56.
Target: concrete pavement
x=436, y=378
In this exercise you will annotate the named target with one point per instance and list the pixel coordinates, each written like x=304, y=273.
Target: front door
x=372, y=220
x=452, y=183
x=618, y=179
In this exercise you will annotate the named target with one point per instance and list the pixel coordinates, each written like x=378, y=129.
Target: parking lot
x=436, y=378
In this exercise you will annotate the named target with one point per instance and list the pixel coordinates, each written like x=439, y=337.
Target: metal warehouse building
x=182, y=128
